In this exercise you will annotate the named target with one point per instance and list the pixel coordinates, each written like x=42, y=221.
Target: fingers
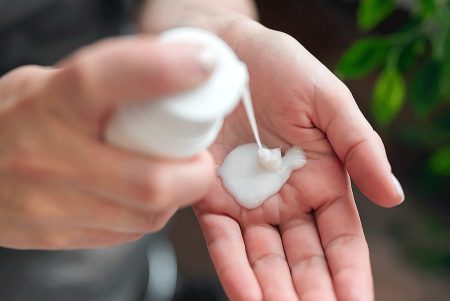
x=355, y=142
x=148, y=184
x=42, y=239
x=266, y=256
x=345, y=249
x=134, y=181
x=46, y=143
x=94, y=80
x=304, y=253
x=227, y=250
x=142, y=183
x=64, y=208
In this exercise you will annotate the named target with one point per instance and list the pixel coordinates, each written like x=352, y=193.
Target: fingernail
x=206, y=58
x=398, y=187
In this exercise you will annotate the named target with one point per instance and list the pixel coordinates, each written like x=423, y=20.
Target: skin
x=306, y=242
x=63, y=187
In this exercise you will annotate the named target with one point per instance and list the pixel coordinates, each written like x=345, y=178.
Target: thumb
x=355, y=142
x=93, y=81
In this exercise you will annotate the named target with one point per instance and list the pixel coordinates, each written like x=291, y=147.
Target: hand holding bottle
x=61, y=185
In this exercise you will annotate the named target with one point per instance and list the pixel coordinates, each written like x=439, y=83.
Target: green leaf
x=412, y=22
x=427, y=7
x=364, y=56
x=444, y=85
x=438, y=27
x=438, y=42
x=425, y=88
x=443, y=120
x=439, y=162
x=410, y=53
x=388, y=96
x=445, y=76
x=424, y=137
x=371, y=12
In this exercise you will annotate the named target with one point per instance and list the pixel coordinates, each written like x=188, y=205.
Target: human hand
x=306, y=242
x=61, y=185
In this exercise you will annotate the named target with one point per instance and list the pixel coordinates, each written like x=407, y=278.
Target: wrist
x=157, y=16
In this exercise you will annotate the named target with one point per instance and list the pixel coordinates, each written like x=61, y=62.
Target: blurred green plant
x=420, y=52
x=414, y=74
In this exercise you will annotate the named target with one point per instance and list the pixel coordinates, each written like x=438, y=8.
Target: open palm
x=306, y=242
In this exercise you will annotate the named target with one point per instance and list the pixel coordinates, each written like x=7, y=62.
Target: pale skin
x=306, y=242
x=63, y=187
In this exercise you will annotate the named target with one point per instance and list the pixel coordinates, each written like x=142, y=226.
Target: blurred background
x=395, y=58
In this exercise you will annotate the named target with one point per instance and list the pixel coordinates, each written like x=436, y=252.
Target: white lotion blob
x=251, y=182
x=270, y=159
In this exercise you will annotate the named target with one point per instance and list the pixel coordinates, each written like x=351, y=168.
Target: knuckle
x=75, y=75
x=154, y=189
x=377, y=138
x=72, y=86
x=286, y=38
x=29, y=157
x=156, y=221
x=148, y=222
x=158, y=226
x=53, y=241
x=76, y=95
x=39, y=208
x=340, y=97
x=343, y=91
x=75, y=71
x=19, y=84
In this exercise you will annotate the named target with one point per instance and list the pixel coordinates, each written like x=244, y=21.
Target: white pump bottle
x=183, y=125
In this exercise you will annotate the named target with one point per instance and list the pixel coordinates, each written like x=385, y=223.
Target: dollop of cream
x=252, y=174
x=270, y=159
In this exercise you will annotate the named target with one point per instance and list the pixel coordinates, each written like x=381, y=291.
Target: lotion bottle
x=183, y=125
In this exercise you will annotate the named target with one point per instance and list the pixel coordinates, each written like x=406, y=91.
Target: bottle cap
x=182, y=125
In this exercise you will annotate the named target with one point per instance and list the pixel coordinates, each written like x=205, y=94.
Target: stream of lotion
x=252, y=173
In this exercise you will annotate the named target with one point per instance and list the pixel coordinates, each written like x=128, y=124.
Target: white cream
x=251, y=182
x=270, y=159
x=252, y=173
x=247, y=100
